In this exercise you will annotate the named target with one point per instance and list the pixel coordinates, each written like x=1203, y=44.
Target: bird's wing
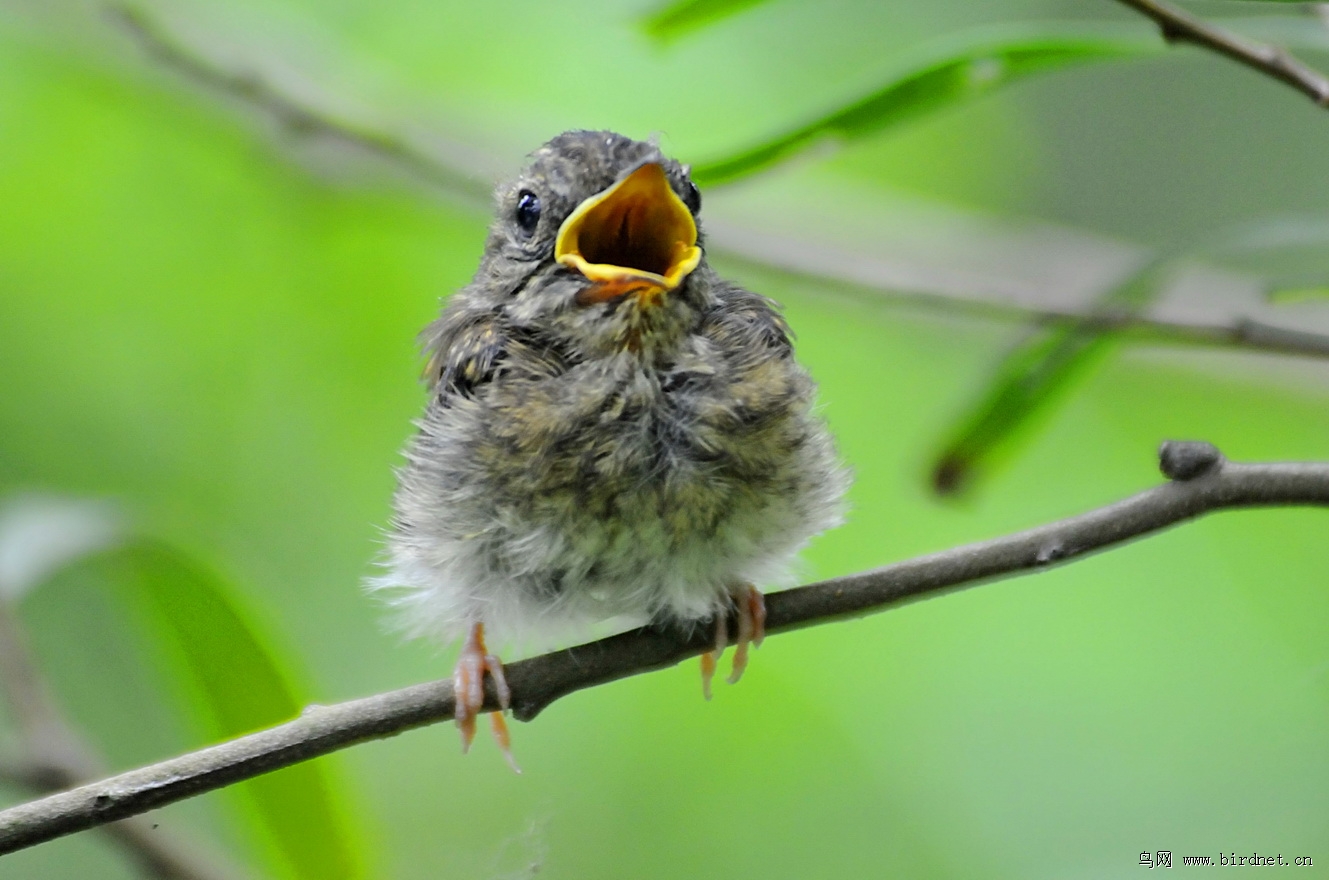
x=469, y=348
x=743, y=321
x=464, y=349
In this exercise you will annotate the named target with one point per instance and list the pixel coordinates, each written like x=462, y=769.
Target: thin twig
x=1179, y=26
x=462, y=184
x=1201, y=482
x=54, y=757
x=1243, y=333
x=468, y=186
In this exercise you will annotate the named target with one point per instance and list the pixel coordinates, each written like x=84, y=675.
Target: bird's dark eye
x=692, y=198
x=528, y=213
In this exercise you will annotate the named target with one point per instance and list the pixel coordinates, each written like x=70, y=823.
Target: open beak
x=637, y=236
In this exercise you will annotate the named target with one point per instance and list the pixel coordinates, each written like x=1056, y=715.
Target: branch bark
x=1179, y=26
x=1201, y=481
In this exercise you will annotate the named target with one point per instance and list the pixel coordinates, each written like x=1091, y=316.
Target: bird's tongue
x=637, y=236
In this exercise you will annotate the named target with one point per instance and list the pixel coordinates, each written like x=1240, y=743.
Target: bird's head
x=597, y=242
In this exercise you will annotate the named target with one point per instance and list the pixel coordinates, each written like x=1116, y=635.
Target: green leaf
x=977, y=64
x=234, y=681
x=1034, y=377
x=678, y=19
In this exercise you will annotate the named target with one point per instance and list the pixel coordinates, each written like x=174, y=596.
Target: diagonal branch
x=1201, y=482
x=462, y=184
x=1179, y=26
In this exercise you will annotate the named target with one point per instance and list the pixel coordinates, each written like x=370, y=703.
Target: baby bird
x=612, y=432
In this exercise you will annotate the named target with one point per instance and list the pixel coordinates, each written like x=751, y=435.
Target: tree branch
x=1179, y=26
x=1201, y=482
x=462, y=184
x=1244, y=333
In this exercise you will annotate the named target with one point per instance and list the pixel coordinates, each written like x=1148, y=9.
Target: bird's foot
x=751, y=628
x=468, y=684
x=750, y=609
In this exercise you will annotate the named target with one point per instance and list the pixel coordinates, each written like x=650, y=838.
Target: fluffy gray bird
x=613, y=432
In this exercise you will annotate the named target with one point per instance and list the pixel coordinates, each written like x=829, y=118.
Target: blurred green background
x=207, y=314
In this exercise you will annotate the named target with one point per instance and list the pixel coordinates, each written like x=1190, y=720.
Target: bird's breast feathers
x=612, y=488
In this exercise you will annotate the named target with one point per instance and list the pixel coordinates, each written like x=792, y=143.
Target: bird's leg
x=710, y=659
x=468, y=684
x=751, y=608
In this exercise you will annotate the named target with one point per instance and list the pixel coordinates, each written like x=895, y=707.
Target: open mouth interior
x=635, y=236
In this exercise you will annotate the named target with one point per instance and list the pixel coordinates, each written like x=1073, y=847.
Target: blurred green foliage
x=233, y=684
x=674, y=20
x=963, y=69
x=210, y=317
x=1035, y=376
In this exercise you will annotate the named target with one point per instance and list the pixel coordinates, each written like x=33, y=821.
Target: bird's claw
x=468, y=684
x=750, y=609
x=751, y=628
